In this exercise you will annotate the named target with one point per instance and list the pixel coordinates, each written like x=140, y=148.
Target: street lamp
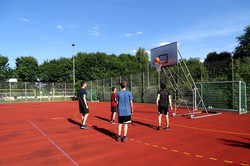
x=74, y=81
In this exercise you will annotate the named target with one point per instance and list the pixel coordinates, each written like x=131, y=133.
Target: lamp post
x=74, y=81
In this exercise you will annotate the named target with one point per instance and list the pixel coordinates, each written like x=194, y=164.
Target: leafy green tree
x=217, y=65
x=56, y=70
x=27, y=69
x=4, y=68
x=142, y=59
x=213, y=56
x=243, y=49
x=91, y=66
x=197, y=69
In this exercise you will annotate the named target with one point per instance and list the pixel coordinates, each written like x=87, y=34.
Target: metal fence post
x=10, y=91
x=148, y=79
x=239, y=97
x=103, y=89
x=40, y=90
x=25, y=91
x=120, y=82
x=65, y=91
x=131, y=82
x=91, y=90
x=111, y=82
x=143, y=87
x=53, y=89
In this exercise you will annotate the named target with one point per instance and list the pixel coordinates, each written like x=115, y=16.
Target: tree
x=197, y=70
x=56, y=70
x=27, y=69
x=142, y=59
x=4, y=68
x=243, y=49
x=213, y=56
x=217, y=65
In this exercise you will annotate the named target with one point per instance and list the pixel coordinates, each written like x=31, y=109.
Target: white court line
x=53, y=143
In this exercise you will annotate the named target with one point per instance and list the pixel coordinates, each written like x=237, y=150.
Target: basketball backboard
x=167, y=54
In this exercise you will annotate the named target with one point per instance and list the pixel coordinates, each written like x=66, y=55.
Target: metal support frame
x=175, y=89
x=189, y=82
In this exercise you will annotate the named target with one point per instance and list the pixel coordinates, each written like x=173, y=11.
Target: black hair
x=123, y=84
x=163, y=86
x=82, y=83
x=113, y=88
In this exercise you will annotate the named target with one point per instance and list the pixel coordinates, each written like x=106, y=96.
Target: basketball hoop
x=158, y=66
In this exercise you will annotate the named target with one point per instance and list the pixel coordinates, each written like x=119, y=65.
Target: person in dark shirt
x=163, y=100
x=83, y=105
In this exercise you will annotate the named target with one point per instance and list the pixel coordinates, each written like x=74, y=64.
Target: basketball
x=157, y=60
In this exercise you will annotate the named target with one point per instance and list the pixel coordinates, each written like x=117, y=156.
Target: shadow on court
x=105, y=132
x=236, y=143
x=104, y=119
x=74, y=122
x=145, y=124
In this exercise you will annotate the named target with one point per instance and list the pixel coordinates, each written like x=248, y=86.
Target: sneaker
x=84, y=127
x=119, y=139
x=159, y=127
x=114, y=122
x=125, y=139
x=167, y=128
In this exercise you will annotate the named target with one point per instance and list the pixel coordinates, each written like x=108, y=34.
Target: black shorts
x=163, y=107
x=113, y=108
x=124, y=119
x=82, y=108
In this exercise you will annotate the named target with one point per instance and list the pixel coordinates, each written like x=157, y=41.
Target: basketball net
x=158, y=66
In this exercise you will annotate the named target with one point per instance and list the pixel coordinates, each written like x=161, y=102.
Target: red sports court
x=48, y=133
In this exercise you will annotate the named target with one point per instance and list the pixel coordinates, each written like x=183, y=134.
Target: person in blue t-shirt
x=83, y=105
x=125, y=109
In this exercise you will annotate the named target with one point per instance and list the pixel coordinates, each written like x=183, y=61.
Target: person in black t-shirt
x=83, y=105
x=163, y=100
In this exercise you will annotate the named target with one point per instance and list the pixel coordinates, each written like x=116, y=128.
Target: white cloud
x=148, y=52
x=59, y=27
x=24, y=19
x=128, y=35
x=95, y=30
x=133, y=34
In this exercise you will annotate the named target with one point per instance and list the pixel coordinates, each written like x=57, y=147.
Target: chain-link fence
x=144, y=86
x=35, y=92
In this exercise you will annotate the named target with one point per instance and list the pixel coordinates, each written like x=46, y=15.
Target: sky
x=46, y=29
